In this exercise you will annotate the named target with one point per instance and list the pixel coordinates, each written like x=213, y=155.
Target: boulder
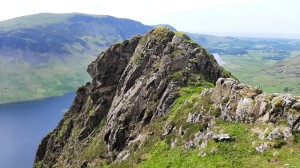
x=275, y=134
x=221, y=137
x=262, y=147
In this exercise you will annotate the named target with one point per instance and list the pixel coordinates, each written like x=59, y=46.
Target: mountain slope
x=58, y=33
x=288, y=71
x=45, y=54
x=134, y=83
x=151, y=104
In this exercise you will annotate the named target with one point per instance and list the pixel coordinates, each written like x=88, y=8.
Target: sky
x=273, y=18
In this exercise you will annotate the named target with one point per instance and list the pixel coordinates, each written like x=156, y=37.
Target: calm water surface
x=24, y=124
x=218, y=58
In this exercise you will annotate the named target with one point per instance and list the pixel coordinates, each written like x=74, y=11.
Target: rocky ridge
x=134, y=83
x=239, y=103
x=152, y=103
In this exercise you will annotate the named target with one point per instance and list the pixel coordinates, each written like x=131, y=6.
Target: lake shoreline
x=24, y=124
x=35, y=99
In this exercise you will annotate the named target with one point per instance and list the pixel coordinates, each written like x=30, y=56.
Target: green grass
x=240, y=151
x=138, y=58
x=39, y=164
x=95, y=149
x=237, y=153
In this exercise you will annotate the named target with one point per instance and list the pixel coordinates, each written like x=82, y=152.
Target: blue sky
x=278, y=18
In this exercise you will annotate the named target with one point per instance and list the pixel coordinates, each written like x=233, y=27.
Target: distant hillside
x=284, y=75
x=47, y=54
x=38, y=37
x=269, y=63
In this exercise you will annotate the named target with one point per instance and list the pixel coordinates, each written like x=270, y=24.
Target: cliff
x=147, y=106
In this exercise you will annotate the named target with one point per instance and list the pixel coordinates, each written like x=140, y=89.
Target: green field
x=271, y=64
x=253, y=69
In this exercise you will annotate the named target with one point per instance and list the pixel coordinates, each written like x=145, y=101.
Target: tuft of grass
x=95, y=149
x=64, y=127
x=225, y=100
x=176, y=75
x=39, y=164
x=181, y=34
x=216, y=112
x=91, y=111
x=138, y=58
x=279, y=143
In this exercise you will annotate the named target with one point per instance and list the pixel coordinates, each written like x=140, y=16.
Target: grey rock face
x=193, y=117
x=274, y=135
x=151, y=79
x=198, y=136
x=122, y=156
x=242, y=103
x=174, y=143
x=262, y=147
x=262, y=135
x=133, y=83
x=189, y=145
x=287, y=133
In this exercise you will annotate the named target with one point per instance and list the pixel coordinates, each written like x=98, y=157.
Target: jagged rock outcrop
x=241, y=103
x=148, y=98
x=275, y=117
x=134, y=83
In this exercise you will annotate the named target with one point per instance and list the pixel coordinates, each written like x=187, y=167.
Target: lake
x=24, y=124
x=218, y=58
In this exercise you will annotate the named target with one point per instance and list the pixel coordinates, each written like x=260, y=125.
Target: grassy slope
x=240, y=153
x=156, y=152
